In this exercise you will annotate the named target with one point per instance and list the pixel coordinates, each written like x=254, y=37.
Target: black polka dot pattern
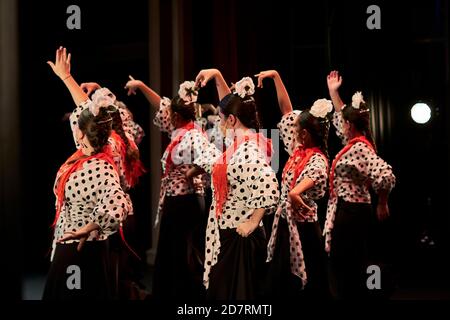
x=286, y=128
x=317, y=170
x=131, y=128
x=162, y=117
x=93, y=201
x=357, y=170
x=252, y=185
x=183, y=155
x=115, y=145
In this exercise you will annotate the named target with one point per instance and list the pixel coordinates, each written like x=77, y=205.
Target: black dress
x=80, y=275
x=349, y=253
x=281, y=283
x=179, y=259
x=239, y=271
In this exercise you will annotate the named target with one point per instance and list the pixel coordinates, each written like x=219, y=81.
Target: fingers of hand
x=260, y=79
x=51, y=64
x=67, y=236
x=81, y=243
x=241, y=231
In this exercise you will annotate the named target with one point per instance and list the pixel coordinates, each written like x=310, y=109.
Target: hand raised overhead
x=334, y=81
x=61, y=66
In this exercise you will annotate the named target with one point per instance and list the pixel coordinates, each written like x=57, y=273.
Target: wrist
x=333, y=91
x=65, y=77
x=254, y=223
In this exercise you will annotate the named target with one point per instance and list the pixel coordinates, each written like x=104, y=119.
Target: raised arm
x=206, y=75
x=152, y=97
x=61, y=67
x=284, y=101
x=334, y=81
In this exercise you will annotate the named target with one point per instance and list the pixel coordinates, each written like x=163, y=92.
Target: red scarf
x=303, y=155
x=73, y=164
x=134, y=170
x=175, y=141
x=219, y=170
x=350, y=144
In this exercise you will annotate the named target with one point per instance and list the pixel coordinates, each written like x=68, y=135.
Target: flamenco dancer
x=179, y=259
x=244, y=189
x=90, y=203
x=355, y=168
x=295, y=250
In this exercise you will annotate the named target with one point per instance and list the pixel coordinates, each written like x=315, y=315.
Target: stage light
x=421, y=113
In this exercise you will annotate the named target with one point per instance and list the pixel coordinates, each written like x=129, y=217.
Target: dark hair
x=360, y=118
x=318, y=129
x=242, y=108
x=185, y=110
x=96, y=128
x=117, y=125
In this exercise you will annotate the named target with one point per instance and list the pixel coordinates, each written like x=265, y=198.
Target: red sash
x=134, y=170
x=219, y=170
x=304, y=155
x=73, y=164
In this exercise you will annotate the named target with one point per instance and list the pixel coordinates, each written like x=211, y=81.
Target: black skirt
x=280, y=282
x=179, y=260
x=83, y=275
x=317, y=286
x=239, y=271
x=348, y=251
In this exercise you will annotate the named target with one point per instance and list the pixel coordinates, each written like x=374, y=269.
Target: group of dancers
x=224, y=254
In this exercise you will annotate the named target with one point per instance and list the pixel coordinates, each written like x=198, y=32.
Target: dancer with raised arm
x=181, y=212
x=355, y=169
x=295, y=250
x=90, y=203
x=244, y=189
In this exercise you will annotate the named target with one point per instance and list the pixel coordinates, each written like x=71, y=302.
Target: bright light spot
x=421, y=113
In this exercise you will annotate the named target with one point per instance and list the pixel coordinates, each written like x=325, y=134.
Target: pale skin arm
x=204, y=76
x=295, y=195
x=247, y=227
x=334, y=81
x=284, y=101
x=151, y=96
x=61, y=67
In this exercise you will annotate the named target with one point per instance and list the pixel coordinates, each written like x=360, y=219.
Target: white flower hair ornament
x=99, y=100
x=104, y=92
x=188, y=92
x=357, y=99
x=244, y=87
x=321, y=108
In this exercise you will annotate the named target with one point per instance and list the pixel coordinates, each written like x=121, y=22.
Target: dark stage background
x=166, y=42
